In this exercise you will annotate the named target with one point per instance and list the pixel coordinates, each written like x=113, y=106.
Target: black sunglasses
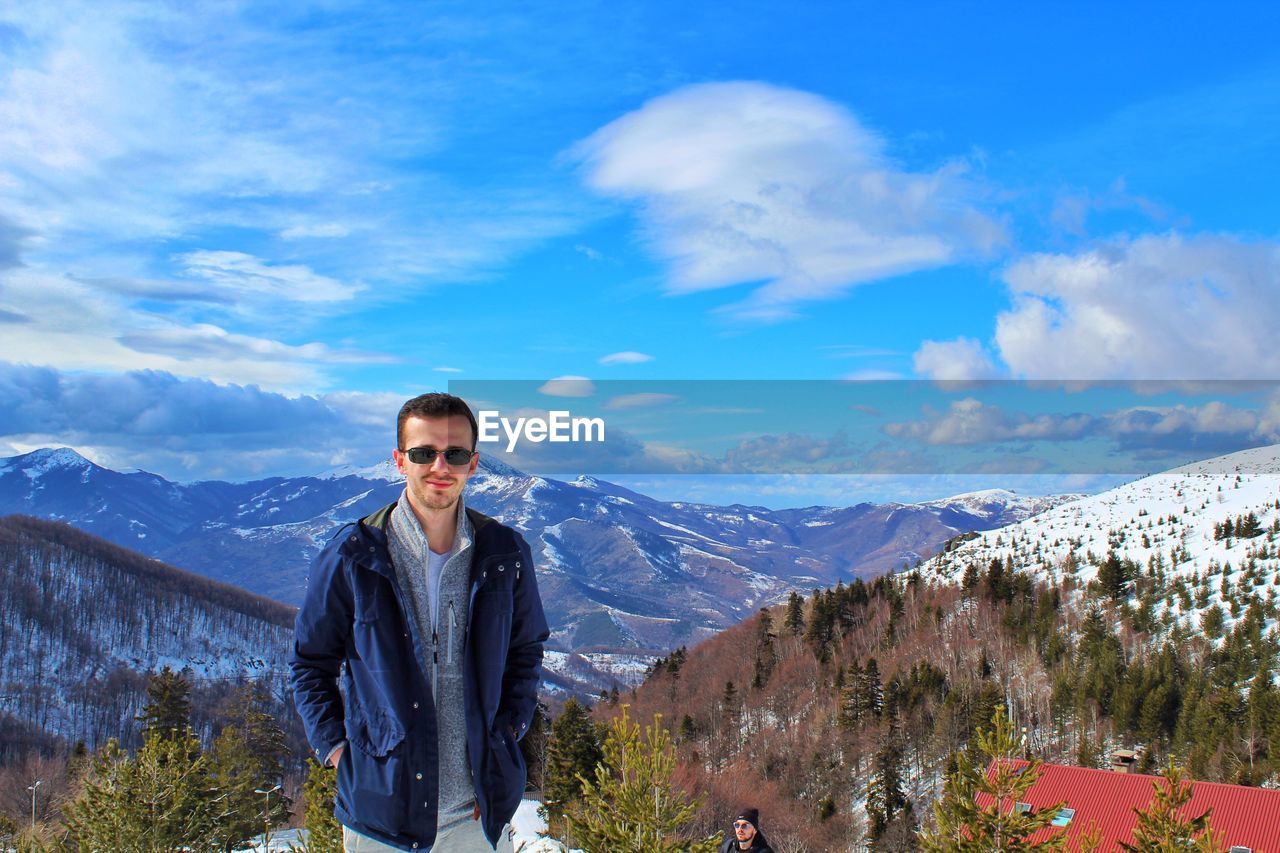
x=456, y=456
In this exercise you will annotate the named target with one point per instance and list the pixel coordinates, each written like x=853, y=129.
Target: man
x=434, y=610
x=746, y=835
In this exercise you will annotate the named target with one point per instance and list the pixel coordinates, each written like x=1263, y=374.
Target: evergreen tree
x=997, y=582
x=164, y=799
x=688, y=731
x=1211, y=622
x=963, y=826
x=1162, y=826
x=631, y=803
x=573, y=751
x=758, y=676
x=732, y=707
x=850, y=703
x=247, y=757
x=766, y=653
x=324, y=833
x=870, y=692
x=1248, y=526
x=1113, y=577
x=820, y=634
x=794, y=620
x=886, y=800
x=168, y=709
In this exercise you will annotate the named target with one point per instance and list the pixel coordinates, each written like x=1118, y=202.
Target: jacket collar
x=379, y=518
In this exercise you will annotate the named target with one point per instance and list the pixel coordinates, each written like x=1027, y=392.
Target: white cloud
x=568, y=386
x=249, y=277
x=1071, y=211
x=70, y=324
x=639, y=401
x=98, y=112
x=746, y=183
x=628, y=357
x=971, y=421
x=205, y=341
x=1154, y=307
x=175, y=426
x=127, y=127
x=962, y=358
x=320, y=229
x=1210, y=427
x=447, y=369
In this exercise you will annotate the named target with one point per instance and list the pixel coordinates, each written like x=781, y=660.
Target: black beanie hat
x=751, y=816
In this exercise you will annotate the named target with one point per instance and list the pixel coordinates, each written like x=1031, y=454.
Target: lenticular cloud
x=750, y=183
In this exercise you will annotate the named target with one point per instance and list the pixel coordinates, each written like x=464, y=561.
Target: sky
x=234, y=237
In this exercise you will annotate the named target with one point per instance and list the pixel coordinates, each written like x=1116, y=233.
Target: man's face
x=435, y=486
x=744, y=831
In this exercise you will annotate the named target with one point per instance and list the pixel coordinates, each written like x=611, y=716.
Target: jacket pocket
x=377, y=733
x=372, y=773
x=371, y=596
x=507, y=775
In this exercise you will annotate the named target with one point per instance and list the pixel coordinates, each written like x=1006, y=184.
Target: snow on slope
x=1163, y=523
x=993, y=503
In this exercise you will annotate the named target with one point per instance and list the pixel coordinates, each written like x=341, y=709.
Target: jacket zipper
x=453, y=629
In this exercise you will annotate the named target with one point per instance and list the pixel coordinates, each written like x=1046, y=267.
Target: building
x=1247, y=819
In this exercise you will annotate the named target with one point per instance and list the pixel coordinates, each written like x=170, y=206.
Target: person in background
x=746, y=834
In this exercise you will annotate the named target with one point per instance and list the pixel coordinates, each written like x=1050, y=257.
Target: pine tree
x=965, y=827
x=1162, y=826
x=850, y=704
x=163, y=799
x=870, y=692
x=324, y=833
x=1112, y=577
x=168, y=709
x=886, y=800
x=732, y=707
x=1248, y=527
x=688, y=731
x=247, y=757
x=573, y=751
x=631, y=803
x=794, y=620
x=766, y=654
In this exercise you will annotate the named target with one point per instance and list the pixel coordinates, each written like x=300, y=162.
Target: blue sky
x=259, y=229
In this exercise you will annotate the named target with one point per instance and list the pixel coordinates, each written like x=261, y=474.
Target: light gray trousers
x=465, y=837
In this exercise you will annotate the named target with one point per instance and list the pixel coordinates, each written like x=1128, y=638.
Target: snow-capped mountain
x=618, y=570
x=1171, y=528
x=999, y=505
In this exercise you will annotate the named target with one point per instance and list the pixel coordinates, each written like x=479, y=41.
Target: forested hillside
x=83, y=621
x=839, y=713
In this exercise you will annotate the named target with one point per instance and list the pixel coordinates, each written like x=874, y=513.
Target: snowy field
x=526, y=823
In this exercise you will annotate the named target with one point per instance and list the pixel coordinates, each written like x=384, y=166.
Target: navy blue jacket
x=355, y=613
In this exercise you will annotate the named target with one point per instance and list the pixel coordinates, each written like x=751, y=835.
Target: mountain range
x=623, y=576
x=1167, y=533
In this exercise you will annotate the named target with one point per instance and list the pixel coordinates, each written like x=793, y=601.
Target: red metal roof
x=1249, y=817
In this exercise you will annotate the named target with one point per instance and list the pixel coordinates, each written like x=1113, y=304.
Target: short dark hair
x=435, y=405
